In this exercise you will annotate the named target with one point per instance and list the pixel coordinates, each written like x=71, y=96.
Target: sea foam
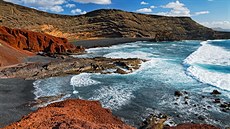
x=126, y=55
x=113, y=97
x=50, y=87
x=210, y=55
x=82, y=80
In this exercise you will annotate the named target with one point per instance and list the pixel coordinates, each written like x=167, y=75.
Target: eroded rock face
x=36, y=42
x=73, y=113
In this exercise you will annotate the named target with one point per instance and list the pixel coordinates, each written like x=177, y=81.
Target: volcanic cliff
x=17, y=44
x=105, y=23
x=36, y=42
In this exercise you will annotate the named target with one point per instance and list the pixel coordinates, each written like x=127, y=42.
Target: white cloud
x=46, y=5
x=162, y=13
x=201, y=13
x=144, y=3
x=153, y=7
x=95, y=1
x=177, y=9
x=70, y=5
x=56, y=9
x=78, y=11
x=144, y=10
x=216, y=24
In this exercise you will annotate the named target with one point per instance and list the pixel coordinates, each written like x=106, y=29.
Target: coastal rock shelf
x=70, y=66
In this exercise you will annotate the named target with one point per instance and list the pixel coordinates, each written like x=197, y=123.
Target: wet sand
x=107, y=42
x=14, y=96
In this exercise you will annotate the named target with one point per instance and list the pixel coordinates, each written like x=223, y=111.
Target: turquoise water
x=192, y=66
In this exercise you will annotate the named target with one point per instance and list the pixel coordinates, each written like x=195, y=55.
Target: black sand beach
x=107, y=42
x=37, y=58
x=14, y=96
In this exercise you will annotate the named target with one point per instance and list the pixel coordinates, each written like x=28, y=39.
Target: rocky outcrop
x=70, y=66
x=106, y=23
x=36, y=42
x=70, y=114
x=154, y=121
x=158, y=121
x=192, y=126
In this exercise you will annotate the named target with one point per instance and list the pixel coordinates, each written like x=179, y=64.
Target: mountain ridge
x=105, y=23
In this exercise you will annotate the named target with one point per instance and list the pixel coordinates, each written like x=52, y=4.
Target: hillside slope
x=105, y=24
x=10, y=55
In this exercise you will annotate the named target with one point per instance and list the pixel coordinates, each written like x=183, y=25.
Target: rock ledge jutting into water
x=70, y=66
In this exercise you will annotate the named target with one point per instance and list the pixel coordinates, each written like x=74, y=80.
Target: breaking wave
x=210, y=64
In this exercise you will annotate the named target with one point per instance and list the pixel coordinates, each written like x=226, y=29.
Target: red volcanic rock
x=36, y=42
x=192, y=126
x=10, y=55
x=73, y=113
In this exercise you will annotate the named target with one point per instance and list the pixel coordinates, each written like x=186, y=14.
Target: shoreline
x=106, y=42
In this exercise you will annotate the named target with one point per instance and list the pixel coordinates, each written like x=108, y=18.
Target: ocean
x=197, y=67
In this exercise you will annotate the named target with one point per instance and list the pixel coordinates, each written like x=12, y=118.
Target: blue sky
x=211, y=13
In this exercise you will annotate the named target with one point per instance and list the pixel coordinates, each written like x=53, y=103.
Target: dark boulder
x=178, y=93
x=215, y=92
